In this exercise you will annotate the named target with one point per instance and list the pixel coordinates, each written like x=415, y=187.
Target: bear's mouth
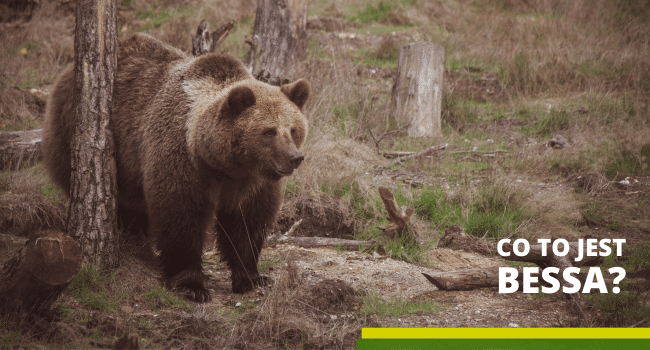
x=283, y=172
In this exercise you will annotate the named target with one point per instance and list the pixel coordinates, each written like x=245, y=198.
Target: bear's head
x=254, y=129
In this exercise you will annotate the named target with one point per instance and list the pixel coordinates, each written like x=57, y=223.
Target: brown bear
x=193, y=137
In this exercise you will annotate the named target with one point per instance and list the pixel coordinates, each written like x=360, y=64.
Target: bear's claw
x=246, y=284
x=202, y=295
x=192, y=281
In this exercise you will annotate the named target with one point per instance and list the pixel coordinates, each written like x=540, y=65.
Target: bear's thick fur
x=193, y=137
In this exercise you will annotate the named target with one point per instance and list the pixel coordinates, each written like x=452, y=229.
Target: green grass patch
x=385, y=56
x=379, y=29
x=458, y=112
x=638, y=259
x=375, y=12
x=267, y=264
x=629, y=305
x=374, y=303
x=159, y=16
x=30, y=79
x=89, y=287
x=234, y=42
x=552, y=122
x=154, y=19
x=53, y=193
x=623, y=308
x=159, y=297
x=495, y=210
x=629, y=162
x=402, y=248
x=381, y=11
x=10, y=340
x=346, y=117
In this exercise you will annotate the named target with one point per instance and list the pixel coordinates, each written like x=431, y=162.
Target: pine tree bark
x=92, y=210
x=279, y=39
x=417, y=93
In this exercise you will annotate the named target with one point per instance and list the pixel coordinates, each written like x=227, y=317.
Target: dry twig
x=422, y=153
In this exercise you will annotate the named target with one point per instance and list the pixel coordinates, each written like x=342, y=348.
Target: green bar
x=569, y=344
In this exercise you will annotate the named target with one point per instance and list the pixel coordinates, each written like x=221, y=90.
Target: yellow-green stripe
x=505, y=333
x=523, y=344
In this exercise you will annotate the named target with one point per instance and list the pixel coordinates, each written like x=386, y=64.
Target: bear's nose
x=296, y=159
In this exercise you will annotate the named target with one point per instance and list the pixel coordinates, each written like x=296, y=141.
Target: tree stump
x=205, y=42
x=279, y=39
x=35, y=276
x=417, y=93
x=201, y=41
x=20, y=148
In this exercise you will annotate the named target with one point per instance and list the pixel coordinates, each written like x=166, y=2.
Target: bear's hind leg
x=131, y=222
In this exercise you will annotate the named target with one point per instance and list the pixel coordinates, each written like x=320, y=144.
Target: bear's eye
x=270, y=132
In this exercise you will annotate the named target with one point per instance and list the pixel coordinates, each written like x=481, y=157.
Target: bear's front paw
x=247, y=283
x=191, y=281
x=202, y=295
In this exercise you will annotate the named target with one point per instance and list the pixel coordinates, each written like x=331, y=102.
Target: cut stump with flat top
x=35, y=276
x=417, y=93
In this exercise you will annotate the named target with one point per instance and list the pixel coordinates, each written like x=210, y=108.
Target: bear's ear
x=297, y=92
x=239, y=98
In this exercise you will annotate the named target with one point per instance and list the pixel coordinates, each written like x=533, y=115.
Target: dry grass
x=31, y=56
x=29, y=201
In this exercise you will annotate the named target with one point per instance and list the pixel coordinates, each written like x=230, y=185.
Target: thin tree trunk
x=92, y=210
x=279, y=38
x=417, y=93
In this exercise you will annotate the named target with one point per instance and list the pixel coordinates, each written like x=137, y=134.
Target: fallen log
x=318, y=242
x=19, y=149
x=455, y=238
x=44, y=266
x=535, y=255
x=469, y=279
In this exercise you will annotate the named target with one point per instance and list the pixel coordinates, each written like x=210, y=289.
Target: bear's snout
x=295, y=159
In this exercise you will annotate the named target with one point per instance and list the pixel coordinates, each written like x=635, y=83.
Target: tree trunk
x=279, y=39
x=20, y=148
x=92, y=210
x=417, y=93
x=34, y=277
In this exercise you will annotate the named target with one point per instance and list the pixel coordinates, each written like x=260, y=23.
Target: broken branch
x=399, y=218
x=421, y=153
